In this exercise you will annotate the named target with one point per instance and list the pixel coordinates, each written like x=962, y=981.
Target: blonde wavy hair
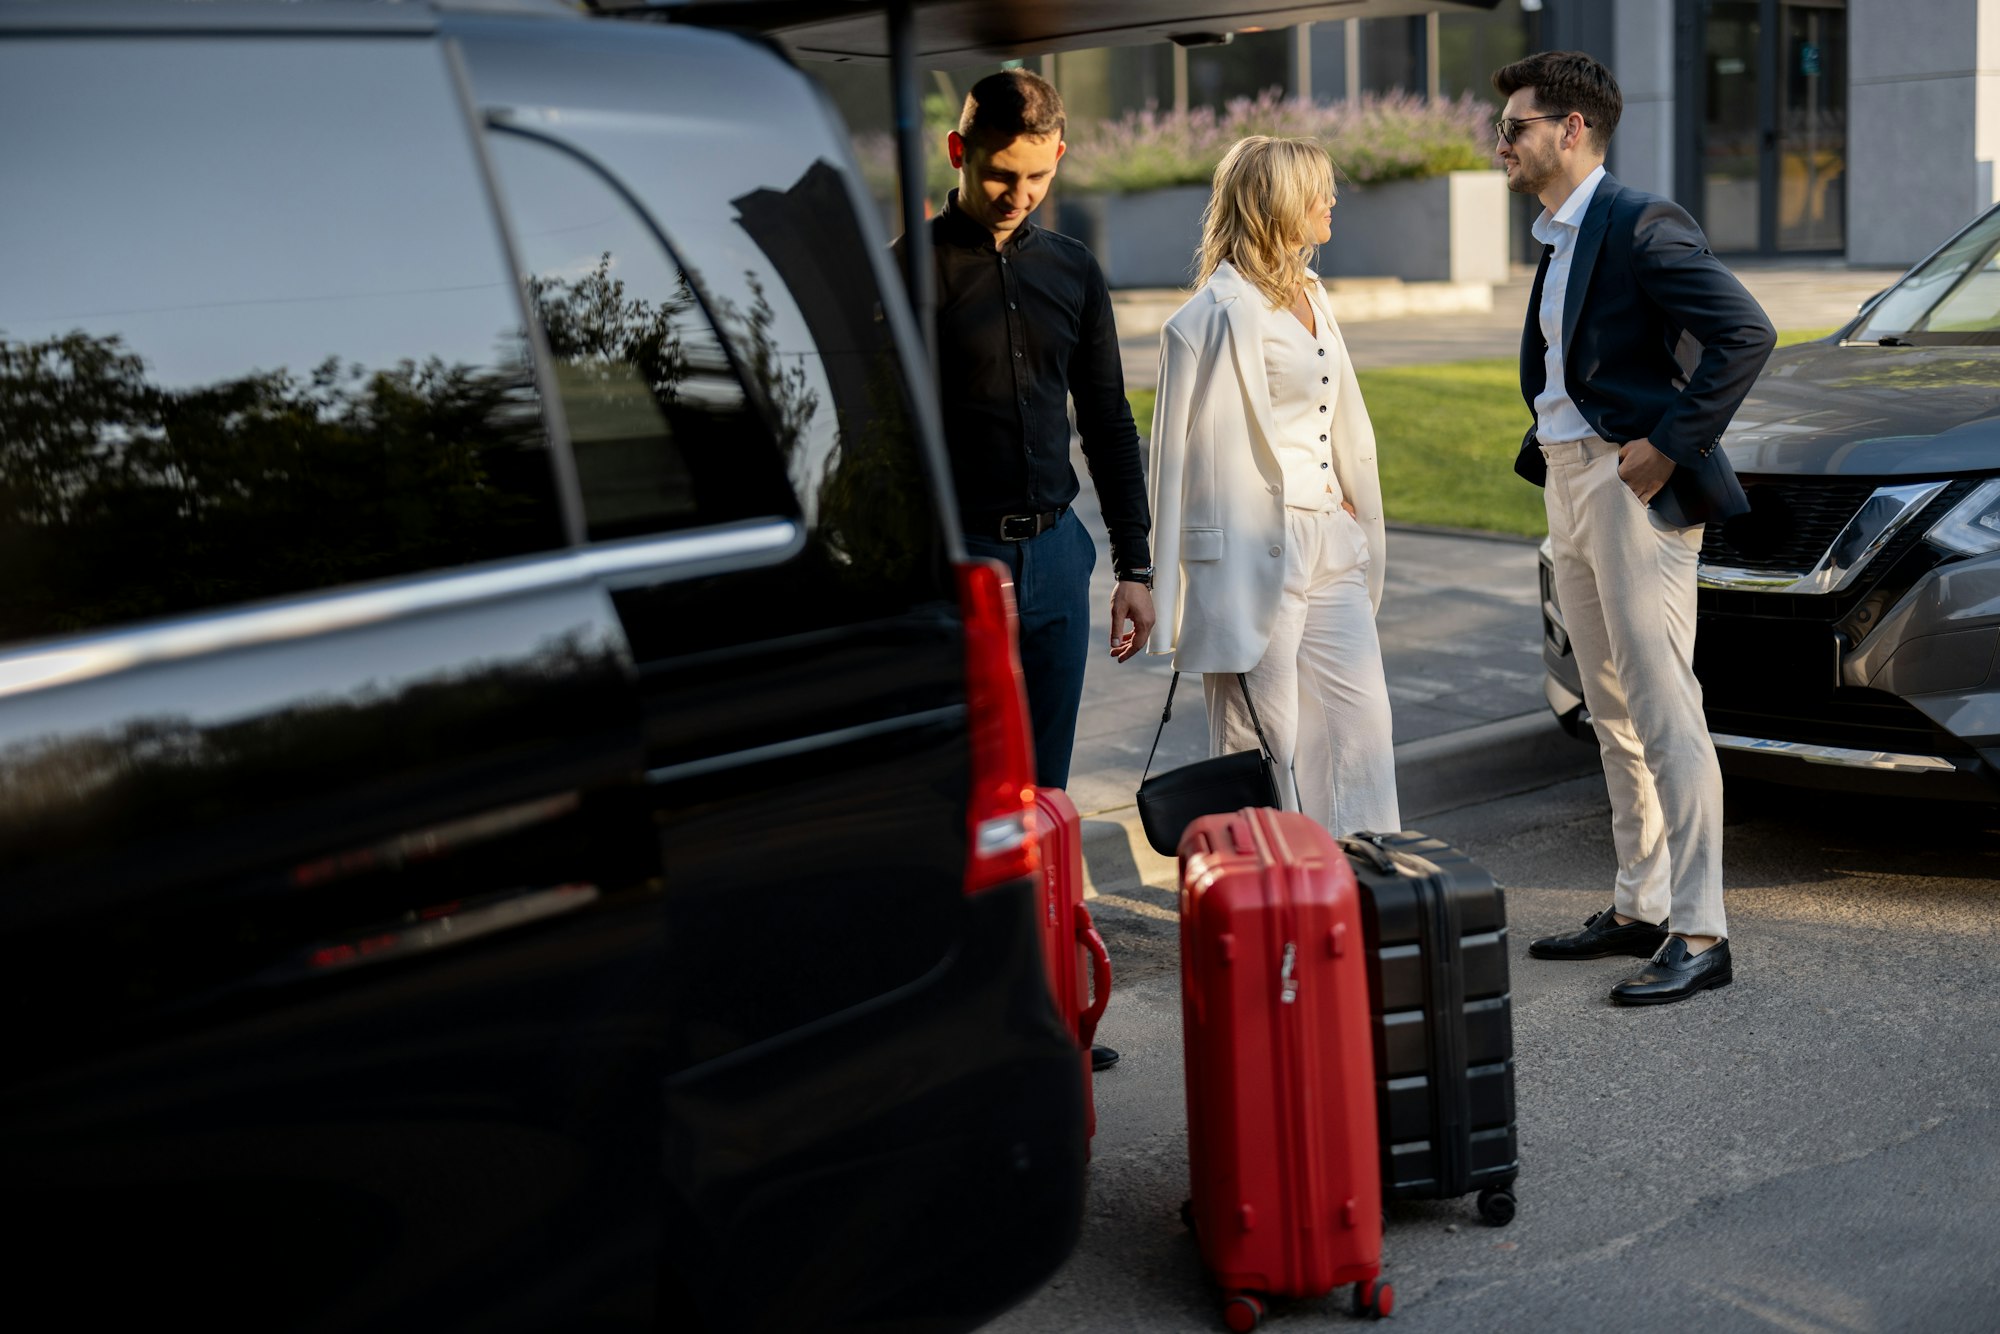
x=1257, y=213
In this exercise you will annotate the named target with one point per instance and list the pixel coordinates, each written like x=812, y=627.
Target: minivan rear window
x=258, y=334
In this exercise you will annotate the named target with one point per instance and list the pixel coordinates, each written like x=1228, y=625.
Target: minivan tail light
x=1000, y=836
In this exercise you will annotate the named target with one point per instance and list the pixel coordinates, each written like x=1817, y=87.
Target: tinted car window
x=765, y=222
x=249, y=355
x=663, y=433
x=1956, y=292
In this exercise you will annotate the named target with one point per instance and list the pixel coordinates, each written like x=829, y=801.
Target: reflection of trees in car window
x=662, y=429
x=121, y=498
x=266, y=343
x=875, y=512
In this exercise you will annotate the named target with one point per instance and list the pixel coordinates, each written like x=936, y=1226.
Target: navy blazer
x=1660, y=342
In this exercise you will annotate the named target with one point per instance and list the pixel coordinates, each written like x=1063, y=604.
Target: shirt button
x=1277, y=551
x=1322, y=407
x=1272, y=489
x=1322, y=440
x=1010, y=305
x=1322, y=465
x=1322, y=379
x=1322, y=352
x=1017, y=352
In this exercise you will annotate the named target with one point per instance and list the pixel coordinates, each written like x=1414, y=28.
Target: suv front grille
x=1789, y=527
x=1884, y=579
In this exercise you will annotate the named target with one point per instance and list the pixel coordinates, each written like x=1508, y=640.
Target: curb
x=1503, y=758
x=1497, y=759
x=1447, y=530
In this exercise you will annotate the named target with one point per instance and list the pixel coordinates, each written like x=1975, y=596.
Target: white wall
x=1642, y=152
x=1923, y=123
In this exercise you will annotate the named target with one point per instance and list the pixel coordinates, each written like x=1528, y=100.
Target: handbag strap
x=1166, y=715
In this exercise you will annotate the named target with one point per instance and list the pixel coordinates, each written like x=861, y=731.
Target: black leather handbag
x=1172, y=801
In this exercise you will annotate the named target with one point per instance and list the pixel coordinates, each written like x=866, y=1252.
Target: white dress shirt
x=1557, y=419
x=1304, y=372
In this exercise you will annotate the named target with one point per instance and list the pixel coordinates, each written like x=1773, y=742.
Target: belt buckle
x=1019, y=527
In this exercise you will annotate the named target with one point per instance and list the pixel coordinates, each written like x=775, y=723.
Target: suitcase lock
x=1290, y=991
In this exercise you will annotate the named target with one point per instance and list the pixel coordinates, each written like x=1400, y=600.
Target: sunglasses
x=1509, y=127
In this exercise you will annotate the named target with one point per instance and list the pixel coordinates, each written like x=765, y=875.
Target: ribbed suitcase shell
x=1436, y=926
x=1280, y=1075
x=1078, y=965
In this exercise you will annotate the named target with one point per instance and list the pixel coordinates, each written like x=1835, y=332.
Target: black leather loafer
x=1675, y=975
x=1103, y=1058
x=1602, y=936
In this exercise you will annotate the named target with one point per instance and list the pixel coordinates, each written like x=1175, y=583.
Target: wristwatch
x=1144, y=576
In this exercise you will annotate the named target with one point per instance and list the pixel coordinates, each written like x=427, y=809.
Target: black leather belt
x=1021, y=527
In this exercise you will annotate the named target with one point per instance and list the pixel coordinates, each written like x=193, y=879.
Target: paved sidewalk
x=1795, y=294
x=1460, y=621
x=1461, y=642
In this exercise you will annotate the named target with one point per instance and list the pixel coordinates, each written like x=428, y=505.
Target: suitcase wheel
x=1496, y=1206
x=1374, y=1300
x=1242, y=1313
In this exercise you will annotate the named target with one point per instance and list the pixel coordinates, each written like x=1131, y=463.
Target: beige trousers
x=1319, y=689
x=1626, y=585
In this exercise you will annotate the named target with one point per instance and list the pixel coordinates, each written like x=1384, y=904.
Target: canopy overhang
x=952, y=33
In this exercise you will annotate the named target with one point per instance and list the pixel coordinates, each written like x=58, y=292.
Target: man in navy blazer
x=1638, y=348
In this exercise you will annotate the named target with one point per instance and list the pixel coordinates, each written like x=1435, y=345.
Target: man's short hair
x=1002, y=107
x=1566, y=81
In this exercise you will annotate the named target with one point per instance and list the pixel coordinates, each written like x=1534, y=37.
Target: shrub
x=1378, y=137
x=1385, y=137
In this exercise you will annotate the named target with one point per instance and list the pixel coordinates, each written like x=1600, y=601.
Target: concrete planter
x=1140, y=240
x=1452, y=228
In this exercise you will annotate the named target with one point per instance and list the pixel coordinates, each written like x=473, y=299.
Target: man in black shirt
x=1024, y=323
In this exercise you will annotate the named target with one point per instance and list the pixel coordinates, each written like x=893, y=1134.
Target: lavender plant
x=1377, y=137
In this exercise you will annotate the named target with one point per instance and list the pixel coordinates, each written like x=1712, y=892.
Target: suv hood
x=1821, y=409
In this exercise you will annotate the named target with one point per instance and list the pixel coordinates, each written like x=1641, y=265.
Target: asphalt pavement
x=1815, y=1148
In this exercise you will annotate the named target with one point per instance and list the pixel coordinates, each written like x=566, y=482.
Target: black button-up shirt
x=1020, y=330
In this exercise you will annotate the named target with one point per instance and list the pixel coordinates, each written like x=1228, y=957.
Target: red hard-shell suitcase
x=1280, y=1066
x=1079, y=966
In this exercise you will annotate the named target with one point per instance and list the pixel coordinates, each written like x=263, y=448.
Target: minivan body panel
x=573, y=940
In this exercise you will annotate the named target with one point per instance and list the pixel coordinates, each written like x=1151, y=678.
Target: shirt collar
x=1572, y=211
x=956, y=227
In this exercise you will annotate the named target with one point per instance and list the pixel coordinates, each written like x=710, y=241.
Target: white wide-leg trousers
x=1626, y=586
x=1319, y=689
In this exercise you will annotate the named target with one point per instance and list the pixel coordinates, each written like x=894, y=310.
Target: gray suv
x=1849, y=621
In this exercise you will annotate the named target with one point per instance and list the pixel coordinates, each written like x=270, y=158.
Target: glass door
x=1731, y=149
x=1812, y=125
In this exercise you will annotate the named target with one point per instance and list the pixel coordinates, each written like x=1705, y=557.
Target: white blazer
x=1217, y=493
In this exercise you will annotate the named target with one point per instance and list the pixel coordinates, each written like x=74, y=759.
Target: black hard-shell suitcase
x=1435, y=926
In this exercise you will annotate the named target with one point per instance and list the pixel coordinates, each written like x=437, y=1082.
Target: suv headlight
x=1973, y=526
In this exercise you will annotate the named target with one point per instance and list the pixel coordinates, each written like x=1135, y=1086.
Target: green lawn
x=1445, y=437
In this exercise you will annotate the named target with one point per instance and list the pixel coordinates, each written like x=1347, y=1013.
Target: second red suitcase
x=1078, y=964
x=1280, y=1066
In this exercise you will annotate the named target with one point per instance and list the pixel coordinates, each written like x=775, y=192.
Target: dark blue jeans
x=1052, y=595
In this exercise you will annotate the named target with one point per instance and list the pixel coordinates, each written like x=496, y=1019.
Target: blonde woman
x=1267, y=511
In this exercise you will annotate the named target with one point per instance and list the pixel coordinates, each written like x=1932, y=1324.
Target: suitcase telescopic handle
x=1368, y=850
x=1100, y=976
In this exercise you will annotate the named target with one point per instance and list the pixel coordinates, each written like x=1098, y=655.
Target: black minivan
x=513, y=805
